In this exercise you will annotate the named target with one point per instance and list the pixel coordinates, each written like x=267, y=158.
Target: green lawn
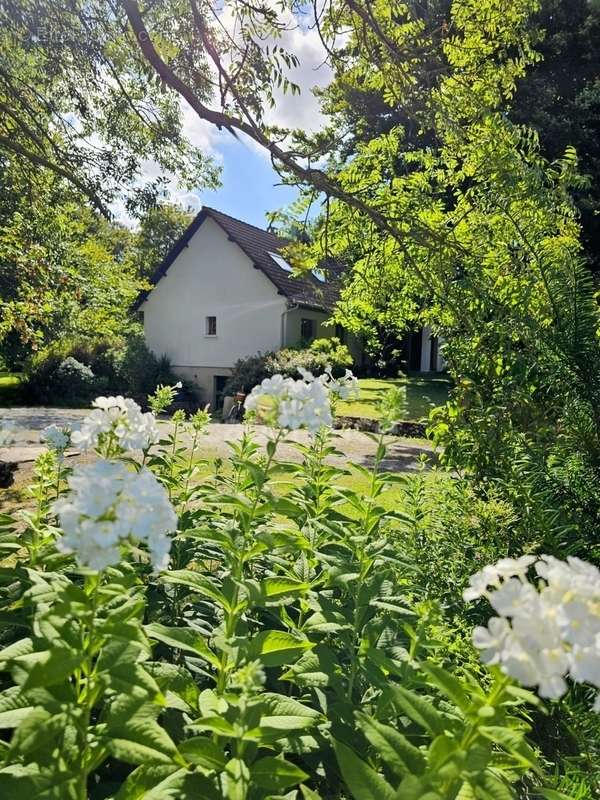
x=422, y=394
x=10, y=384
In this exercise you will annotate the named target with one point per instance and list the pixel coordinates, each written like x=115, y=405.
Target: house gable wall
x=212, y=276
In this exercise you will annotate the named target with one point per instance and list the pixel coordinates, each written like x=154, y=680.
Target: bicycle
x=236, y=412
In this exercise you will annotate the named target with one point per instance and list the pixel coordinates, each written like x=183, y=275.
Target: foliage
x=160, y=227
x=286, y=652
x=117, y=365
x=321, y=353
x=72, y=106
x=63, y=270
x=140, y=370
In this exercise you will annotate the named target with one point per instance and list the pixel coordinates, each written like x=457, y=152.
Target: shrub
x=62, y=381
x=322, y=353
x=120, y=366
x=140, y=370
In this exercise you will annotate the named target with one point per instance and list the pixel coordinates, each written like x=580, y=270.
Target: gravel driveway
x=356, y=446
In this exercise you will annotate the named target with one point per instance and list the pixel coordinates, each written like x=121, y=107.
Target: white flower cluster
x=297, y=404
x=119, y=418
x=304, y=403
x=57, y=439
x=108, y=505
x=545, y=632
x=346, y=387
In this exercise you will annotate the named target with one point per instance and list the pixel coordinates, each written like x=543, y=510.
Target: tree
x=69, y=103
x=63, y=267
x=160, y=227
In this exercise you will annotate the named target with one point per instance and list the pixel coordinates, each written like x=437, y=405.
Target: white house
x=225, y=292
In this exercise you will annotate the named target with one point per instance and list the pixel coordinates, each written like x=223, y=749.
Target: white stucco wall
x=212, y=277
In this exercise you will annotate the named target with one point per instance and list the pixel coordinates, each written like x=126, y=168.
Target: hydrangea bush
x=250, y=630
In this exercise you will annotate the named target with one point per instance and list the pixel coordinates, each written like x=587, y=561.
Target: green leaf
x=274, y=588
x=17, y=781
x=448, y=684
x=203, y=752
x=276, y=774
x=394, y=748
x=236, y=778
x=198, y=583
x=165, y=782
x=47, y=667
x=496, y=788
x=418, y=709
x=552, y=794
x=136, y=737
x=362, y=780
x=183, y=639
x=275, y=648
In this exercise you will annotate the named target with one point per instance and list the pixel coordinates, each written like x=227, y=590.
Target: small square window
x=307, y=330
x=211, y=326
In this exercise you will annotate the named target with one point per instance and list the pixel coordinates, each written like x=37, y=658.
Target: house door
x=219, y=390
x=415, y=343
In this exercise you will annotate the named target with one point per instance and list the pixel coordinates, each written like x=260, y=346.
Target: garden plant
x=174, y=629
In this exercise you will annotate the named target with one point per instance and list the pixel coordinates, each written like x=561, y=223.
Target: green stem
x=237, y=571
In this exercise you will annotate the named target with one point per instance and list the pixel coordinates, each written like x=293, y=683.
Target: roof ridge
x=211, y=210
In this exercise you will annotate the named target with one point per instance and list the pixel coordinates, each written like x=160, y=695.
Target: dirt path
x=402, y=455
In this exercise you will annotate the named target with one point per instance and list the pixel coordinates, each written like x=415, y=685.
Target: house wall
x=212, y=277
x=322, y=330
x=426, y=365
x=293, y=323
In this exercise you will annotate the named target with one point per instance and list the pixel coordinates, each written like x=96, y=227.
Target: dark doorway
x=219, y=393
x=415, y=344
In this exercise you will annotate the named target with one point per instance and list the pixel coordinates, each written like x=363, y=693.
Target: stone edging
x=406, y=428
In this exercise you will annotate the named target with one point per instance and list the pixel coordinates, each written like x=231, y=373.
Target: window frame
x=311, y=323
x=210, y=326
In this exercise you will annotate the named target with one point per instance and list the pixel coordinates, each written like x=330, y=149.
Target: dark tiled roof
x=304, y=290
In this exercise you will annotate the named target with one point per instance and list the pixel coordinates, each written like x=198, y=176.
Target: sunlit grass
x=10, y=385
x=422, y=394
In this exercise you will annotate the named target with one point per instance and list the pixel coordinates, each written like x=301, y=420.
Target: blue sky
x=249, y=184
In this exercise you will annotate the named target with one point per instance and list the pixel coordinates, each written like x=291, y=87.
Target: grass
x=422, y=394
x=10, y=386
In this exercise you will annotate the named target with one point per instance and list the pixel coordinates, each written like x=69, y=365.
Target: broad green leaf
x=496, y=789
x=236, y=779
x=46, y=667
x=133, y=752
x=217, y=725
x=448, y=684
x=203, y=752
x=162, y=782
x=418, y=709
x=138, y=738
x=273, y=588
x=276, y=774
x=309, y=794
x=361, y=779
x=17, y=782
x=397, y=753
x=275, y=648
x=198, y=583
x=182, y=638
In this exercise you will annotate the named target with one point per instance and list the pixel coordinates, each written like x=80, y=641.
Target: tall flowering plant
x=240, y=630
